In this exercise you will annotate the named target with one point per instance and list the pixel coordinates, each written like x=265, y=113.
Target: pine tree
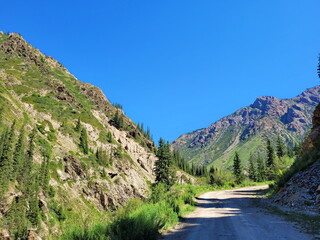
x=6, y=157
x=25, y=172
x=237, y=169
x=33, y=202
x=18, y=223
x=163, y=166
x=117, y=120
x=109, y=137
x=261, y=170
x=18, y=155
x=252, y=169
x=84, y=141
x=270, y=155
x=280, y=148
x=102, y=157
x=44, y=174
x=270, y=161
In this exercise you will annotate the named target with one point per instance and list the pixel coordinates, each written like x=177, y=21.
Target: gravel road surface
x=233, y=214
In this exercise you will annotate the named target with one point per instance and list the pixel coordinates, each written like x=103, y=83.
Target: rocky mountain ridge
x=245, y=129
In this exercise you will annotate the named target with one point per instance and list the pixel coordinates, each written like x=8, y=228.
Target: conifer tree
x=18, y=155
x=6, y=157
x=109, y=137
x=163, y=166
x=237, y=168
x=261, y=170
x=44, y=174
x=101, y=157
x=270, y=155
x=84, y=141
x=280, y=148
x=117, y=120
x=252, y=169
x=30, y=151
x=33, y=202
x=18, y=223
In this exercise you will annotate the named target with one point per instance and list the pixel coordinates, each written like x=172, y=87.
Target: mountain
x=92, y=155
x=247, y=129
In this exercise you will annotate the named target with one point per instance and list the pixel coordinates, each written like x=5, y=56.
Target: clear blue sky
x=177, y=65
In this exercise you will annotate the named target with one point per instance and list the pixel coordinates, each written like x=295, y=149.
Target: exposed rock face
x=266, y=117
x=300, y=192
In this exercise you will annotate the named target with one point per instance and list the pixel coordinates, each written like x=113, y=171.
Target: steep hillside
x=246, y=130
x=300, y=186
x=38, y=93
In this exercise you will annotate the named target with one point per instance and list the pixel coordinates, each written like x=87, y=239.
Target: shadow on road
x=232, y=214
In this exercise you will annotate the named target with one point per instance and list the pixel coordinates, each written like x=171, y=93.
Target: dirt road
x=233, y=214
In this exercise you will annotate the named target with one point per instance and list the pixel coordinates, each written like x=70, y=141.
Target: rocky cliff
x=247, y=129
x=39, y=93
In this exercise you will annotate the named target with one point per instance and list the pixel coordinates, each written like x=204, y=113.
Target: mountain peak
x=247, y=128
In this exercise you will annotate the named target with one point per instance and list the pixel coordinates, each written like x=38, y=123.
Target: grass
x=144, y=219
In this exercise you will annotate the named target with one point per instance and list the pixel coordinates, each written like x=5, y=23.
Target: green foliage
x=270, y=155
x=117, y=152
x=6, y=160
x=142, y=220
x=44, y=176
x=102, y=157
x=163, y=166
x=117, y=120
x=180, y=162
x=84, y=141
x=58, y=211
x=301, y=162
x=261, y=170
x=146, y=133
x=18, y=223
x=237, y=169
x=106, y=137
x=117, y=105
x=50, y=133
x=78, y=125
x=18, y=154
x=280, y=148
x=252, y=169
x=220, y=178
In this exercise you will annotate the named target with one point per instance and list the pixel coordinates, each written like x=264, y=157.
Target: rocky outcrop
x=266, y=117
x=301, y=191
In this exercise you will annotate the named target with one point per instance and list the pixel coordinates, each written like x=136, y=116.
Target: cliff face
x=38, y=92
x=246, y=129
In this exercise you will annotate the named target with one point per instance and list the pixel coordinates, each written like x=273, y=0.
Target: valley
x=74, y=166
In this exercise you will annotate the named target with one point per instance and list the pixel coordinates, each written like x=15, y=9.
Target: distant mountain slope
x=246, y=129
x=39, y=93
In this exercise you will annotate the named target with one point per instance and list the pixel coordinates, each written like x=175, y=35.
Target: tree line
x=270, y=167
